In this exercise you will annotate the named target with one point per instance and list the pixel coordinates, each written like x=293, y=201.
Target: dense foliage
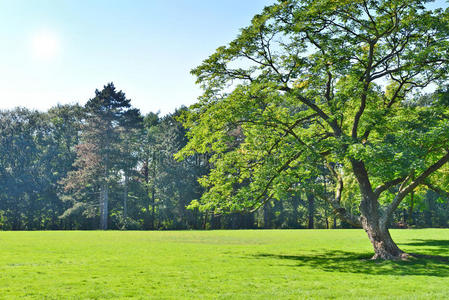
x=327, y=93
x=51, y=174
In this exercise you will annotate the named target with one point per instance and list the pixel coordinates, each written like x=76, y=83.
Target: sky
x=59, y=51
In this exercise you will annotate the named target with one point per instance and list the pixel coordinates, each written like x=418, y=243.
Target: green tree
x=149, y=161
x=131, y=126
x=23, y=171
x=171, y=185
x=101, y=153
x=64, y=124
x=313, y=83
x=36, y=151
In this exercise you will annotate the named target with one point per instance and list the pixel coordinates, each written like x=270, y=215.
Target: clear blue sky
x=60, y=51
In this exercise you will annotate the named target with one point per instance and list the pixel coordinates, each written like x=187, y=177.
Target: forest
x=104, y=165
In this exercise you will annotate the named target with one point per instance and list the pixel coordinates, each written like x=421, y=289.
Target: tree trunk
x=100, y=205
x=310, y=210
x=384, y=246
x=125, y=202
x=205, y=221
x=326, y=218
x=410, y=208
x=106, y=207
x=105, y=195
x=153, y=218
x=104, y=198
x=295, y=200
x=373, y=219
x=267, y=215
x=153, y=191
x=376, y=226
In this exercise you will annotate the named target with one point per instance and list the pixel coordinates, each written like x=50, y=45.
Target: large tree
x=103, y=155
x=36, y=151
x=24, y=166
x=327, y=83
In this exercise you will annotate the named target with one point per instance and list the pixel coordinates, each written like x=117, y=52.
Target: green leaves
x=315, y=83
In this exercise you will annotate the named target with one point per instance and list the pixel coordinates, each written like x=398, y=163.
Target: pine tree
x=99, y=160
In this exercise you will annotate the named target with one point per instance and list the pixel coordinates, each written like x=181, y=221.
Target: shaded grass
x=348, y=262
x=246, y=264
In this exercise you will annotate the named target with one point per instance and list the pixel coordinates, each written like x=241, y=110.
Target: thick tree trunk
x=376, y=226
x=383, y=244
x=373, y=219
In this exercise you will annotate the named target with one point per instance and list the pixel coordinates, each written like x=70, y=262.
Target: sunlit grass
x=246, y=264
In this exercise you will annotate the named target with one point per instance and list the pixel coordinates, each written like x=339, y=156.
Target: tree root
x=402, y=256
x=407, y=256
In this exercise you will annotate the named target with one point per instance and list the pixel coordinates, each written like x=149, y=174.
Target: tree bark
x=410, y=208
x=295, y=200
x=125, y=202
x=267, y=215
x=100, y=205
x=153, y=226
x=373, y=221
x=204, y=221
x=310, y=210
x=104, y=196
x=376, y=227
x=383, y=244
x=326, y=219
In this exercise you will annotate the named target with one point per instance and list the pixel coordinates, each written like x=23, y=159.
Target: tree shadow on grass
x=430, y=247
x=428, y=264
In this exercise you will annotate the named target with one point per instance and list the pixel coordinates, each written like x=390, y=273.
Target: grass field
x=246, y=264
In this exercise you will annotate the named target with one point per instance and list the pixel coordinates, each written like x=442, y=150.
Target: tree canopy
x=317, y=93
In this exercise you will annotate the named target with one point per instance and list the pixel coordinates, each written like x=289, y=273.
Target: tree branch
x=367, y=80
x=383, y=187
x=340, y=211
x=437, y=189
x=403, y=191
x=332, y=123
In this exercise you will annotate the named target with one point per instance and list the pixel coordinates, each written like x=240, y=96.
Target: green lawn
x=246, y=264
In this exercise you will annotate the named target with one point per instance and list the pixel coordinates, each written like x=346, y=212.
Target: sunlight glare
x=45, y=45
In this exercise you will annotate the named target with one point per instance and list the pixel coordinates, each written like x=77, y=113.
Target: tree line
x=104, y=165
x=317, y=110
